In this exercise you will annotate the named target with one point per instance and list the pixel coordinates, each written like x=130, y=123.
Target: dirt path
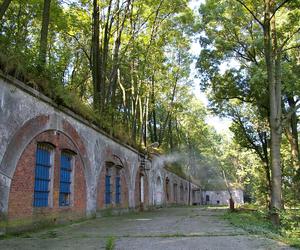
x=168, y=228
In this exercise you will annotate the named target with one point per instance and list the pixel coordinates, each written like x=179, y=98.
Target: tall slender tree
x=44, y=34
x=96, y=62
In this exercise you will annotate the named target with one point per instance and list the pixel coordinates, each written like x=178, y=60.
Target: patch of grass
x=110, y=243
x=254, y=222
x=290, y=227
x=258, y=222
x=42, y=227
x=49, y=235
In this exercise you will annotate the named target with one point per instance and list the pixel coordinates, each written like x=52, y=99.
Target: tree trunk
x=292, y=135
x=96, y=65
x=169, y=113
x=145, y=135
x=266, y=163
x=231, y=200
x=3, y=8
x=115, y=61
x=103, y=57
x=272, y=59
x=155, y=137
x=44, y=35
x=170, y=135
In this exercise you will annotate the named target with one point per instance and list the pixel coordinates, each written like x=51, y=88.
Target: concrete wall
x=166, y=187
x=222, y=197
x=28, y=118
x=25, y=114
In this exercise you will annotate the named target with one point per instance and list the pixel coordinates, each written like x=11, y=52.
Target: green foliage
x=145, y=66
x=256, y=221
x=150, y=60
x=233, y=71
x=110, y=243
x=290, y=226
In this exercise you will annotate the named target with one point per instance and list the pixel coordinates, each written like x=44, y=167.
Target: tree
x=251, y=133
x=44, y=34
x=96, y=61
x=257, y=42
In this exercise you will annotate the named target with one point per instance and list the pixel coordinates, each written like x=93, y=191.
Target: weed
x=110, y=243
x=49, y=235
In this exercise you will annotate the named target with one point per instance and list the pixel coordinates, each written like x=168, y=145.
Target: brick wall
x=101, y=187
x=22, y=187
x=137, y=193
x=27, y=118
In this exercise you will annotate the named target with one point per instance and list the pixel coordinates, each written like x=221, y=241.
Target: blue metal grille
x=107, y=190
x=65, y=179
x=118, y=190
x=42, y=177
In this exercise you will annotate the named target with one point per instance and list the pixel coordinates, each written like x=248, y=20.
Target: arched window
x=167, y=188
x=181, y=192
x=107, y=185
x=118, y=186
x=142, y=192
x=65, y=178
x=175, y=192
x=42, y=177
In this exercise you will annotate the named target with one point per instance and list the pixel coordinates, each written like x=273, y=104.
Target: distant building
x=197, y=196
x=221, y=197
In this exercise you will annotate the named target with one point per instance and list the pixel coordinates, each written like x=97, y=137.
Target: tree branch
x=278, y=7
x=292, y=47
x=81, y=46
x=290, y=112
x=251, y=12
x=288, y=38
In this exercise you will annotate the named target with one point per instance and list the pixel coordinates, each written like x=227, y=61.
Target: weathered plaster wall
x=26, y=116
x=158, y=193
x=26, y=110
x=222, y=197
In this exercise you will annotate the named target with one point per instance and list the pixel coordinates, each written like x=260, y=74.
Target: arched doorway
x=181, y=193
x=167, y=189
x=158, y=191
x=175, y=192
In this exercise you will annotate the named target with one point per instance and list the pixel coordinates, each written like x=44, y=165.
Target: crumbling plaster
x=21, y=105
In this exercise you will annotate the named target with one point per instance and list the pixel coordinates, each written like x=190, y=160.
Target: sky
x=220, y=124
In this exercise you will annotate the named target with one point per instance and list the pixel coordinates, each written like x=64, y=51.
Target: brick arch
x=114, y=161
x=137, y=189
x=23, y=137
x=21, y=199
x=159, y=189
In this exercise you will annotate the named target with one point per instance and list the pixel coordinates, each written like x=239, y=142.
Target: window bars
x=65, y=179
x=42, y=176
